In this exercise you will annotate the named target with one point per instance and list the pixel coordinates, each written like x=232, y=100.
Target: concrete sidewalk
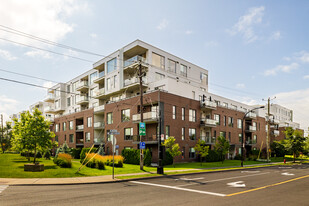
x=102, y=179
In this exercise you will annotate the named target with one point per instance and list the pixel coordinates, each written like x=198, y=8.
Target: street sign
x=142, y=145
x=142, y=128
x=113, y=132
x=117, y=146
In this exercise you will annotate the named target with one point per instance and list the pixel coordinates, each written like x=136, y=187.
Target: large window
x=192, y=115
x=89, y=122
x=69, y=101
x=204, y=78
x=183, y=111
x=158, y=60
x=192, y=133
x=87, y=134
x=174, y=112
x=183, y=70
x=183, y=130
x=71, y=138
x=171, y=66
x=217, y=118
x=125, y=115
x=111, y=65
x=239, y=123
x=109, y=136
x=64, y=126
x=71, y=125
x=231, y=122
x=191, y=153
x=57, y=128
x=128, y=133
x=93, y=76
x=109, y=118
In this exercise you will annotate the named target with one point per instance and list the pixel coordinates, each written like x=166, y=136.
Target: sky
x=253, y=50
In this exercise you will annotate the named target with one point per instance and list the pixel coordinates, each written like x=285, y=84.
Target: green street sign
x=142, y=128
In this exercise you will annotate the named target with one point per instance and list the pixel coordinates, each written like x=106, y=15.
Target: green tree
x=202, y=149
x=7, y=136
x=295, y=141
x=172, y=147
x=222, y=146
x=31, y=133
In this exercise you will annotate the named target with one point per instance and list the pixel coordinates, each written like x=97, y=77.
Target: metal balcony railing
x=208, y=122
x=79, y=127
x=98, y=125
x=209, y=104
x=147, y=116
x=133, y=60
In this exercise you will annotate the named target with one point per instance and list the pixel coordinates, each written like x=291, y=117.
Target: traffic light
x=204, y=97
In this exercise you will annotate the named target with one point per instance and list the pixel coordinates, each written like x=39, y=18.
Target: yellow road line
x=259, y=188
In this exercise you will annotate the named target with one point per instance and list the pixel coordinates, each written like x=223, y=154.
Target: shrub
x=212, y=156
x=63, y=160
x=167, y=159
x=38, y=155
x=75, y=152
x=278, y=149
x=47, y=155
x=84, y=151
x=237, y=157
x=147, y=157
x=131, y=156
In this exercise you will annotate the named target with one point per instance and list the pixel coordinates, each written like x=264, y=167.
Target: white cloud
x=188, y=32
x=249, y=101
x=276, y=35
x=211, y=44
x=304, y=56
x=48, y=84
x=298, y=101
x=163, y=24
x=93, y=35
x=287, y=59
x=246, y=23
x=45, y=19
x=281, y=68
x=306, y=77
x=38, y=53
x=7, y=55
x=240, y=86
x=7, y=106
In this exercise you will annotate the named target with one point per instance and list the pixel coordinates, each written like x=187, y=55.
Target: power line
x=27, y=45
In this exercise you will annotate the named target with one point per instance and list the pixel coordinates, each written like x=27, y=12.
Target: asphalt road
x=284, y=185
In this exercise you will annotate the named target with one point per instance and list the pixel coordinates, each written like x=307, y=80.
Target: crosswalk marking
x=3, y=187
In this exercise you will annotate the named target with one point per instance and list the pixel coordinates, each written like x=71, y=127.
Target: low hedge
x=63, y=160
x=213, y=156
x=132, y=156
x=75, y=152
x=86, y=150
x=97, y=161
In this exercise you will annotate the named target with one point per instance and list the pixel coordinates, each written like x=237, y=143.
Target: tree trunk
x=201, y=160
x=294, y=154
x=34, y=153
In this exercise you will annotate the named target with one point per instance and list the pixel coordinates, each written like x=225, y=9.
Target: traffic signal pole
x=141, y=163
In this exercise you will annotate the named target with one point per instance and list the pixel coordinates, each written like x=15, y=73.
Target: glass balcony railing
x=79, y=127
x=133, y=60
x=99, y=108
x=98, y=125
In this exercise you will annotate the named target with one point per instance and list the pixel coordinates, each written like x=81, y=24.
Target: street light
x=242, y=135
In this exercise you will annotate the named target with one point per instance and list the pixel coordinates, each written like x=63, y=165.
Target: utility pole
x=268, y=128
x=142, y=110
x=2, y=134
x=160, y=149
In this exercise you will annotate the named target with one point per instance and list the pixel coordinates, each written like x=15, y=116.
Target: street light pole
x=243, y=135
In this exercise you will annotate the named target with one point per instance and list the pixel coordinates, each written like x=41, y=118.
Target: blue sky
x=252, y=49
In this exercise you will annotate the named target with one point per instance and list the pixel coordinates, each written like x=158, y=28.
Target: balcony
x=51, y=91
x=79, y=128
x=251, y=115
x=208, y=105
x=53, y=110
x=82, y=86
x=100, y=78
x=82, y=100
x=133, y=83
x=148, y=117
x=49, y=98
x=99, y=93
x=98, y=140
x=99, y=110
x=208, y=140
x=208, y=123
x=79, y=142
x=133, y=61
x=99, y=125
x=275, y=132
x=152, y=139
x=250, y=128
x=274, y=121
x=250, y=142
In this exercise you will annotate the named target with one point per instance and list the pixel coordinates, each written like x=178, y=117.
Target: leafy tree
x=278, y=148
x=7, y=136
x=295, y=141
x=172, y=147
x=222, y=146
x=202, y=149
x=31, y=133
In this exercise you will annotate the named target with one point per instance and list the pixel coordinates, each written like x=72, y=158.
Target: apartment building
x=176, y=99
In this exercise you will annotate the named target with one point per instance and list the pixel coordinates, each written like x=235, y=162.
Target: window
x=167, y=131
x=57, y=92
x=57, y=104
x=71, y=125
x=64, y=126
x=57, y=128
x=68, y=88
x=240, y=137
x=109, y=118
x=87, y=134
x=192, y=134
x=128, y=133
x=74, y=86
x=183, y=70
x=125, y=115
x=231, y=122
x=254, y=139
x=71, y=138
x=108, y=84
x=183, y=113
x=224, y=120
x=224, y=104
x=69, y=101
x=111, y=65
x=215, y=133
x=191, y=153
x=183, y=133
x=183, y=153
x=239, y=123
x=171, y=66
x=89, y=122
x=159, y=76
x=93, y=76
x=174, y=112
x=217, y=118
x=158, y=60
x=192, y=115
x=204, y=78
x=223, y=134
x=109, y=136
x=230, y=137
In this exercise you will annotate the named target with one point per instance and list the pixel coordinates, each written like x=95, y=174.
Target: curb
x=142, y=178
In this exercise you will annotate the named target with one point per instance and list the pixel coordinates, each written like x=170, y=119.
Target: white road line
x=228, y=178
x=192, y=179
x=179, y=188
x=3, y=187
